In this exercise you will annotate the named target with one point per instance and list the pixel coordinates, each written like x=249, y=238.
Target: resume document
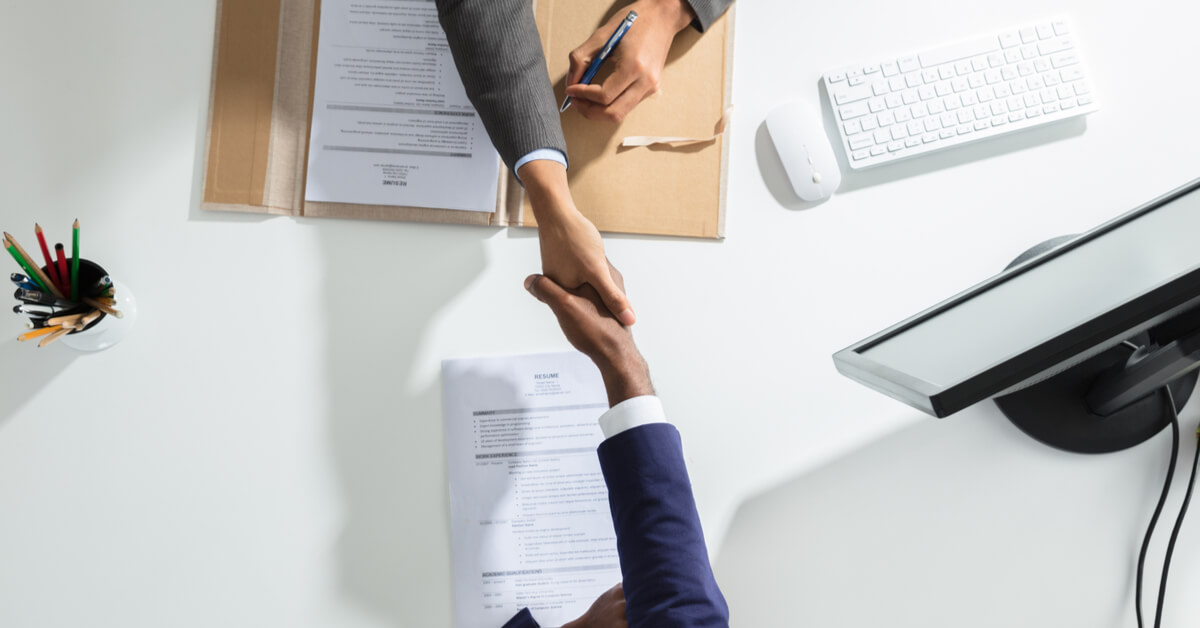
x=391, y=122
x=529, y=512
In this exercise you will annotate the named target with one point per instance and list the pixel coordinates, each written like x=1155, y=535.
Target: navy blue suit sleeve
x=523, y=619
x=667, y=578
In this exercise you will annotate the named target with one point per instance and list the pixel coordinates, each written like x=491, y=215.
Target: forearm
x=498, y=53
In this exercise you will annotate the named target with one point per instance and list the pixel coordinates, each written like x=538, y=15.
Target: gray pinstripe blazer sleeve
x=498, y=53
x=707, y=12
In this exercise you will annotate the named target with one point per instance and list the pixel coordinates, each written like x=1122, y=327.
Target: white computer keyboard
x=912, y=104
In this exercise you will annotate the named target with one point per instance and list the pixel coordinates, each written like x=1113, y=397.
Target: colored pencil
x=54, y=336
x=34, y=270
x=12, y=250
x=50, y=270
x=107, y=309
x=75, y=261
x=63, y=275
x=41, y=331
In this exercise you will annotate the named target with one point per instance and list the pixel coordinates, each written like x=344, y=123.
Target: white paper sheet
x=529, y=509
x=391, y=122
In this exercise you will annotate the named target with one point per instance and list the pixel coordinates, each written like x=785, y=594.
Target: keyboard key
x=1084, y=100
x=1018, y=87
x=899, y=132
x=1008, y=40
x=853, y=110
x=1028, y=34
x=888, y=68
x=856, y=80
x=895, y=146
x=946, y=133
x=1014, y=103
x=964, y=129
x=869, y=123
x=1063, y=60
x=1035, y=82
x=879, y=88
x=963, y=68
x=1025, y=68
x=975, y=80
x=1050, y=108
x=1051, y=79
x=1016, y=116
x=1011, y=56
x=1052, y=46
x=979, y=64
x=1060, y=27
x=1033, y=113
x=886, y=118
x=913, y=79
x=909, y=63
x=929, y=137
x=985, y=94
x=999, y=120
x=853, y=73
x=1008, y=72
x=1032, y=100
x=875, y=105
x=999, y=108
x=1067, y=104
x=862, y=140
x=860, y=154
x=948, y=120
x=951, y=102
x=851, y=94
x=929, y=76
x=932, y=124
x=1065, y=91
x=912, y=141
x=943, y=88
x=925, y=92
x=981, y=125
x=877, y=151
x=966, y=115
x=968, y=99
x=896, y=83
x=1028, y=52
x=892, y=100
x=992, y=76
x=946, y=71
x=1082, y=88
x=1041, y=65
x=1070, y=74
x=959, y=84
x=903, y=115
x=909, y=97
x=1044, y=31
x=835, y=77
x=915, y=128
x=983, y=112
x=996, y=59
x=882, y=136
x=852, y=127
x=1002, y=91
x=936, y=107
x=870, y=68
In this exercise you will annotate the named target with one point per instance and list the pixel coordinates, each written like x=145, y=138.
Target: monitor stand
x=1058, y=411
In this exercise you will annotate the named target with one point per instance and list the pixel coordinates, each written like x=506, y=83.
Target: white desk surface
x=266, y=448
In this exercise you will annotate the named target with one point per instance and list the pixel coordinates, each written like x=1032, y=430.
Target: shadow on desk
x=959, y=522
x=385, y=425
x=26, y=370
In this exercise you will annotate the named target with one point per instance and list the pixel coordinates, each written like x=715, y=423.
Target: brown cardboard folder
x=261, y=109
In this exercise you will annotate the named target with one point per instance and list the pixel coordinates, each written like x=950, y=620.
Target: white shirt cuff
x=632, y=413
x=552, y=154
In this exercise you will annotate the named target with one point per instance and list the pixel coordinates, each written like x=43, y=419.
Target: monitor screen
x=994, y=325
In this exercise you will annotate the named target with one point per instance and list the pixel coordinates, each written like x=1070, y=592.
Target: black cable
x=1187, y=497
x=1157, y=511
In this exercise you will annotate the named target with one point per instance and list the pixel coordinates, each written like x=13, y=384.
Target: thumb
x=616, y=302
x=545, y=289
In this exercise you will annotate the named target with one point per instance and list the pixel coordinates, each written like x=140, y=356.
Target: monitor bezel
x=1107, y=328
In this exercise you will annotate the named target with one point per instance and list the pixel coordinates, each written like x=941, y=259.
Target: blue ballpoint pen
x=604, y=52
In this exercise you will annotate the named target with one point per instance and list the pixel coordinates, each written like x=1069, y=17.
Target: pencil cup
x=107, y=330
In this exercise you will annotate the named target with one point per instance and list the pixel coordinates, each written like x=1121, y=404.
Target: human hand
x=608, y=611
x=571, y=247
x=591, y=328
x=637, y=62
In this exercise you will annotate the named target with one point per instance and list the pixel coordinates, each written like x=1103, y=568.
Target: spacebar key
x=961, y=50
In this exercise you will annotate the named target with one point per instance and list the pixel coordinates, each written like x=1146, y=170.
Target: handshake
x=595, y=332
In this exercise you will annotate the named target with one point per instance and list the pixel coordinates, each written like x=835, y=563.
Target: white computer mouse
x=807, y=155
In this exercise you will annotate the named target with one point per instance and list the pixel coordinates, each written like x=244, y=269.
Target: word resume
x=529, y=516
x=391, y=121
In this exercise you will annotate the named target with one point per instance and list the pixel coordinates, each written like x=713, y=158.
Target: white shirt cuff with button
x=632, y=413
x=552, y=154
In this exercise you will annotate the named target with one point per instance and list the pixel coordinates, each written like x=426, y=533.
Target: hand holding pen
x=638, y=62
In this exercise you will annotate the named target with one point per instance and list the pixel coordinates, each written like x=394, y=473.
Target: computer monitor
x=1076, y=340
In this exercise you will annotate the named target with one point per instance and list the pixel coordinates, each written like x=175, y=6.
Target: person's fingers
x=608, y=91
x=615, y=300
x=617, y=109
x=547, y=291
x=581, y=57
x=616, y=275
